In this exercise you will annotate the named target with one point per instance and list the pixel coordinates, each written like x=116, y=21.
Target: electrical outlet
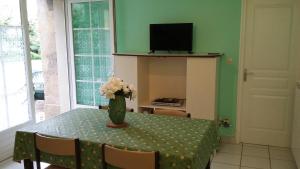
x=229, y=61
x=224, y=123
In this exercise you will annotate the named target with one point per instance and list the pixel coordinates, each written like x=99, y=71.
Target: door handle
x=246, y=73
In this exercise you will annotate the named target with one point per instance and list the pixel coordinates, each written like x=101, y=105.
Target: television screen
x=171, y=37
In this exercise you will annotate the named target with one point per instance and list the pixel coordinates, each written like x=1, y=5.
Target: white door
x=268, y=84
x=15, y=87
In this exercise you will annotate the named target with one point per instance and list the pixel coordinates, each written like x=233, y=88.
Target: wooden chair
x=56, y=146
x=171, y=112
x=106, y=108
x=129, y=159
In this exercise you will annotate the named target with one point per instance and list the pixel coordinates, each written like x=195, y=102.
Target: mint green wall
x=216, y=29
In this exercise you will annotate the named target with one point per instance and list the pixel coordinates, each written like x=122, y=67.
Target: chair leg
x=208, y=165
x=38, y=164
x=28, y=164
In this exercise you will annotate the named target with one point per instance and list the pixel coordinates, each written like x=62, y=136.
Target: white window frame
x=71, y=59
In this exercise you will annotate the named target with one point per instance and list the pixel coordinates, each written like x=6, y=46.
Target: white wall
x=167, y=78
x=62, y=55
x=298, y=58
x=297, y=46
x=126, y=68
x=296, y=118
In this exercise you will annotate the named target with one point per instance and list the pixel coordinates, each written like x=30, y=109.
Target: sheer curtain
x=16, y=109
x=13, y=86
x=13, y=77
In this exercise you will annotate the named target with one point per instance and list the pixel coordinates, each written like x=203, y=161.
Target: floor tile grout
x=269, y=157
x=241, y=155
x=226, y=163
x=249, y=144
x=4, y=160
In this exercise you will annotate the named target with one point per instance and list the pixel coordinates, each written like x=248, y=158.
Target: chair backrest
x=129, y=159
x=56, y=146
x=171, y=112
x=105, y=107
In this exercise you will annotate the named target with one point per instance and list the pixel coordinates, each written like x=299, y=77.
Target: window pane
x=101, y=42
x=84, y=93
x=100, y=100
x=81, y=15
x=100, y=14
x=83, y=65
x=82, y=42
x=102, y=68
x=92, y=50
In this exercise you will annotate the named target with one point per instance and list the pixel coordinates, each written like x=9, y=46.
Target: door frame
x=242, y=56
x=240, y=72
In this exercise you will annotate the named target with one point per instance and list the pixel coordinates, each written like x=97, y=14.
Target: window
x=14, y=98
x=91, y=41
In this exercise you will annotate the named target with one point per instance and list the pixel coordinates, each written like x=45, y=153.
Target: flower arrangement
x=115, y=86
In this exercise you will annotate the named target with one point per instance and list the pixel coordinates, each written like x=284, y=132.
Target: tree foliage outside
x=4, y=21
x=35, y=47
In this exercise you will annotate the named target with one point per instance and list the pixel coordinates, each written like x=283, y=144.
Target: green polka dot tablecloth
x=183, y=143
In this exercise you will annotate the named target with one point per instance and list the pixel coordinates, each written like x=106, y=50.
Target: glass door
x=91, y=48
x=15, y=86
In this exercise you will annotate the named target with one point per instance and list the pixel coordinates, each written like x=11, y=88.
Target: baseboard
x=228, y=140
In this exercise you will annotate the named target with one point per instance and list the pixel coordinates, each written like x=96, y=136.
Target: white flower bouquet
x=115, y=86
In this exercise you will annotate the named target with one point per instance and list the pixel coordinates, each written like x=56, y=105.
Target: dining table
x=182, y=143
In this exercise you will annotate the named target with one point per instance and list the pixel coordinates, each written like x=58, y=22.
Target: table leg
x=28, y=164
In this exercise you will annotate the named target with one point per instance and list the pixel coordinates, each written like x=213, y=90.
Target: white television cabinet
x=188, y=76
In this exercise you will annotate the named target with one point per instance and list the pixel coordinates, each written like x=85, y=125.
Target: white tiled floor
x=9, y=164
x=232, y=156
x=249, y=156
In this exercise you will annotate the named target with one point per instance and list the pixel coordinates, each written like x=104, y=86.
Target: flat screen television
x=171, y=37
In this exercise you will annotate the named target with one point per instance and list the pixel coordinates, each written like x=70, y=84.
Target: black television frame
x=168, y=41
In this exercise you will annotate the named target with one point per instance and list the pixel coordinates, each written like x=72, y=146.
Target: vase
x=117, y=110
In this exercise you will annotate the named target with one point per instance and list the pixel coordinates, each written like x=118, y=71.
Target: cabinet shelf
x=197, y=55
x=149, y=106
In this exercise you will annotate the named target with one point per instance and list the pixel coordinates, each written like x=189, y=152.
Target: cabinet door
x=201, y=88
